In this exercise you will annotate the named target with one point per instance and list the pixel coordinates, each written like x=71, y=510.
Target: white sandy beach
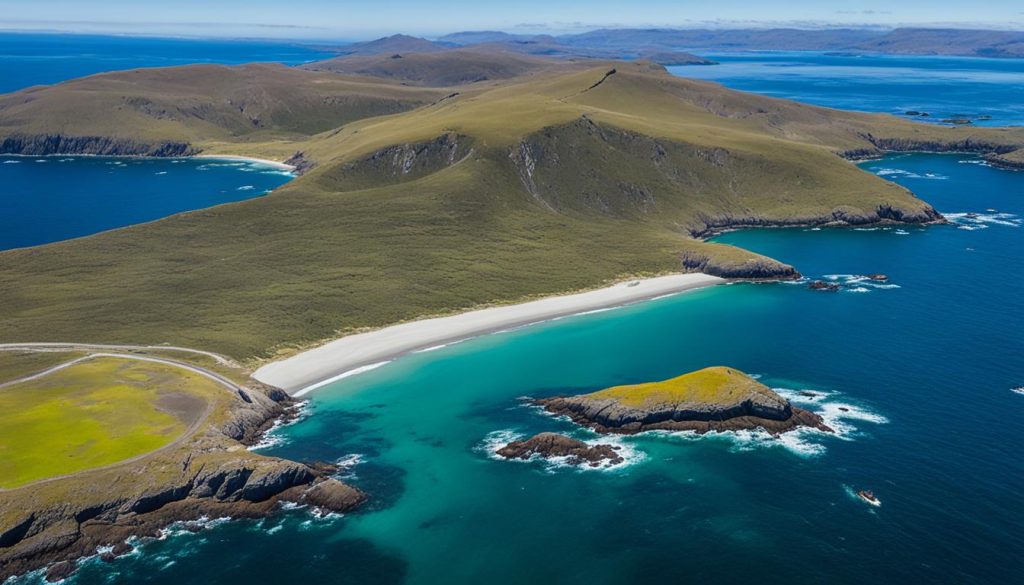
x=262, y=161
x=312, y=369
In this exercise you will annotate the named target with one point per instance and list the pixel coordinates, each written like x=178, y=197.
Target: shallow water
x=53, y=198
x=924, y=366
x=944, y=87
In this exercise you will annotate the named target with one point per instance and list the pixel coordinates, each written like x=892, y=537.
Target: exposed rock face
x=549, y=445
x=210, y=475
x=754, y=267
x=403, y=162
x=713, y=399
x=302, y=164
x=825, y=286
x=840, y=216
x=43, y=144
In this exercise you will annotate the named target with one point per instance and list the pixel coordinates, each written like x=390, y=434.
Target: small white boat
x=869, y=497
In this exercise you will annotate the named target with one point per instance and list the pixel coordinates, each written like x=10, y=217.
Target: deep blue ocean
x=916, y=374
x=989, y=92
x=53, y=198
x=38, y=59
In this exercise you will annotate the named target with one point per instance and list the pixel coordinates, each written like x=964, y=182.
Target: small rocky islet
x=575, y=451
x=714, y=399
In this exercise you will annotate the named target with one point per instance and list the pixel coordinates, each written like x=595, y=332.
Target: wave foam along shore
x=306, y=371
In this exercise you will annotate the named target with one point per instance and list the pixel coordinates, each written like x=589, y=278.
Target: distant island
x=658, y=43
x=713, y=399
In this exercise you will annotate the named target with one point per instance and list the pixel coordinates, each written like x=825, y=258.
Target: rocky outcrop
x=300, y=163
x=402, y=162
x=714, y=399
x=211, y=475
x=840, y=216
x=549, y=445
x=44, y=144
x=750, y=267
x=824, y=286
x=966, y=145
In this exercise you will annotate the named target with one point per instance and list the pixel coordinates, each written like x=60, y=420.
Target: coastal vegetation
x=94, y=413
x=424, y=201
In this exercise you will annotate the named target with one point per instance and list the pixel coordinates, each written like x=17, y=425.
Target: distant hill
x=438, y=69
x=973, y=43
x=909, y=41
x=394, y=44
x=628, y=43
x=492, y=42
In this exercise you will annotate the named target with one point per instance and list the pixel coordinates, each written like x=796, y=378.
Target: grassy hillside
x=252, y=103
x=556, y=181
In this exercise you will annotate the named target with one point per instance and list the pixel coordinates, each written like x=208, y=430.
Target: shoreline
x=351, y=355
x=237, y=157
x=226, y=157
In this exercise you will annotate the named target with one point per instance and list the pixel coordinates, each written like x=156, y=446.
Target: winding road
x=187, y=434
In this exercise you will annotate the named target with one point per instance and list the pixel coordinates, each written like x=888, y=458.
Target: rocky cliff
x=44, y=144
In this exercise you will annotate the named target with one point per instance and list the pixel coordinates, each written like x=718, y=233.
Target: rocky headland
x=551, y=445
x=52, y=523
x=713, y=399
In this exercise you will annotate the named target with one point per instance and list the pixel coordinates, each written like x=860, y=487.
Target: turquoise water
x=53, y=198
x=923, y=365
x=944, y=87
x=36, y=59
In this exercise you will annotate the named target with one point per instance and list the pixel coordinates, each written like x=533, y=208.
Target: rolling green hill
x=562, y=179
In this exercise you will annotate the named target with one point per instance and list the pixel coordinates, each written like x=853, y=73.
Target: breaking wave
x=979, y=221
x=272, y=438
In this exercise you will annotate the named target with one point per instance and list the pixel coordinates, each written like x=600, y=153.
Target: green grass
x=358, y=242
x=93, y=414
x=714, y=385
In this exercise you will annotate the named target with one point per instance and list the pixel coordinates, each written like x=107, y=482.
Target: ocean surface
x=916, y=374
x=52, y=198
x=943, y=87
x=923, y=366
x=36, y=59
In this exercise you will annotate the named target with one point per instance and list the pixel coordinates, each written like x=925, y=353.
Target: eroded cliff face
x=211, y=475
x=44, y=144
x=609, y=416
x=399, y=163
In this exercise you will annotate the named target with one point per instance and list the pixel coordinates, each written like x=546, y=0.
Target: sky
x=366, y=19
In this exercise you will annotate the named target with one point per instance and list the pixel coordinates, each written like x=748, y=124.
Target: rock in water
x=712, y=399
x=549, y=445
x=60, y=571
x=822, y=285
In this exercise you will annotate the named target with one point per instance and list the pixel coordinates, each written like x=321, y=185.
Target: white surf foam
x=161, y=173
x=1018, y=390
x=12, y=162
x=495, y=440
x=272, y=437
x=804, y=441
x=246, y=188
x=978, y=221
x=342, y=376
